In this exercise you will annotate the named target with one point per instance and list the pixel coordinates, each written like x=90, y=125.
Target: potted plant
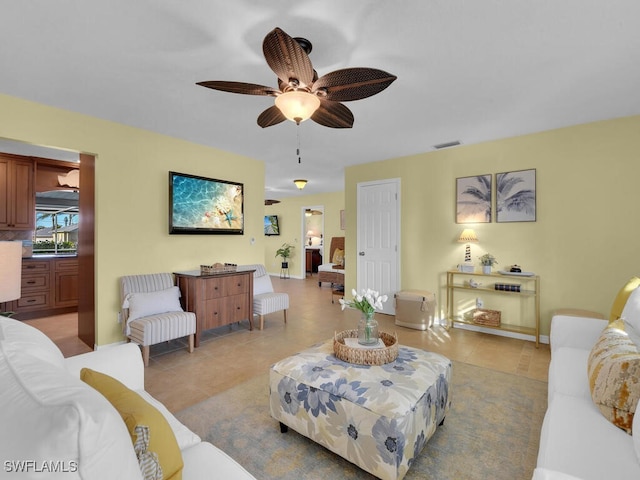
x=487, y=261
x=285, y=252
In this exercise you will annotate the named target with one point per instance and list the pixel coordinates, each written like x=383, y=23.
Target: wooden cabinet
x=65, y=283
x=217, y=299
x=313, y=259
x=522, y=318
x=35, y=292
x=49, y=287
x=17, y=197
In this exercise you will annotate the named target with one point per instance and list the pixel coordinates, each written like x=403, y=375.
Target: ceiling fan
x=301, y=94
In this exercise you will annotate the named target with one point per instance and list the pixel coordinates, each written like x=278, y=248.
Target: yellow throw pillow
x=614, y=376
x=338, y=256
x=135, y=411
x=622, y=297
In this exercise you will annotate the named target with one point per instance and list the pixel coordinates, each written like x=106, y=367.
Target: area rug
x=492, y=431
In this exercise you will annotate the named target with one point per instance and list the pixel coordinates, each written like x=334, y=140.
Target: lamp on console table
x=467, y=236
x=11, y=268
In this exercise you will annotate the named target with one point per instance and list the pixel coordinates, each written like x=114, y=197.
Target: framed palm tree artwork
x=473, y=199
x=516, y=196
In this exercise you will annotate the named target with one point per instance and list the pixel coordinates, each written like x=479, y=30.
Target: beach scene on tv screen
x=206, y=204
x=271, y=225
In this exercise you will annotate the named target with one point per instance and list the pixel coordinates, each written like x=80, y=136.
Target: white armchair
x=265, y=300
x=151, y=311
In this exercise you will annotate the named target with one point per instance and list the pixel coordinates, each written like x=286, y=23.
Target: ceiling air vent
x=455, y=143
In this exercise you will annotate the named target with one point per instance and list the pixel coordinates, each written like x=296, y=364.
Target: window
x=57, y=221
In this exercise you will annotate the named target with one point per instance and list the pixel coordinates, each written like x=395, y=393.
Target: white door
x=379, y=238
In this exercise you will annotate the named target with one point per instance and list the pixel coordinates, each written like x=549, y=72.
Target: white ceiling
x=468, y=70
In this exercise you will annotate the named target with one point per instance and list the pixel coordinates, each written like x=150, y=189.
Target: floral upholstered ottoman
x=378, y=417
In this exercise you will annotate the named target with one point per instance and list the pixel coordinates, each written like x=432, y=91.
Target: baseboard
x=108, y=345
x=502, y=333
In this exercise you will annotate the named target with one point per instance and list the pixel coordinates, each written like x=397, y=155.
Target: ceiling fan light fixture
x=297, y=105
x=300, y=183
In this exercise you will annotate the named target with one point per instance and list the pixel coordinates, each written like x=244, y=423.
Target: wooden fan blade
x=333, y=114
x=352, y=84
x=287, y=58
x=240, y=87
x=271, y=116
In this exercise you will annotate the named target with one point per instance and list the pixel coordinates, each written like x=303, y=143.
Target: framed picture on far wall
x=516, y=196
x=473, y=199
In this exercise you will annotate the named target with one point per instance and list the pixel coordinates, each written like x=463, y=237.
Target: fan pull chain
x=298, y=149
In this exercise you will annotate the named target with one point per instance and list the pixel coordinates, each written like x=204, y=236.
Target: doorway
x=312, y=235
x=378, y=242
x=86, y=228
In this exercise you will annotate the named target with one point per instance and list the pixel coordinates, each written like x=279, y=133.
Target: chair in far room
x=333, y=271
x=151, y=311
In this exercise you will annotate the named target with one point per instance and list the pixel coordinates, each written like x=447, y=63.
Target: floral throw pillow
x=614, y=375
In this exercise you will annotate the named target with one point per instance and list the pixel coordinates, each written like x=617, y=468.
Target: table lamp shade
x=10, y=270
x=468, y=235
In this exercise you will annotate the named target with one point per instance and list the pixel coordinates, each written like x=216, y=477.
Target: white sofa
x=53, y=425
x=577, y=441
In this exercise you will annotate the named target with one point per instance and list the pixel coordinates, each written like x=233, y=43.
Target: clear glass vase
x=368, y=329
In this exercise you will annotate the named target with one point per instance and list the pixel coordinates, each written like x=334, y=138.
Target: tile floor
x=232, y=354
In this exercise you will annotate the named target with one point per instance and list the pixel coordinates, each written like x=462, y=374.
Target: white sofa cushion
x=122, y=361
x=47, y=415
x=577, y=439
x=568, y=373
x=204, y=461
x=576, y=332
x=28, y=339
x=185, y=437
x=546, y=474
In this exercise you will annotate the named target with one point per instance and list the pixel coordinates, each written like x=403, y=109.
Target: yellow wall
x=290, y=214
x=584, y=242
x=132, y=197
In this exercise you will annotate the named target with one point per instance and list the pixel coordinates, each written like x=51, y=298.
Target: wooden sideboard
x=218, y=299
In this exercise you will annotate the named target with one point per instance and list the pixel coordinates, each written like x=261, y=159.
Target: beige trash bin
x=415, y=309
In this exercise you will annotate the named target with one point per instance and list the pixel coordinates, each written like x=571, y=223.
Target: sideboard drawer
x=236, y=285
x=214, y=288
x=237, y=308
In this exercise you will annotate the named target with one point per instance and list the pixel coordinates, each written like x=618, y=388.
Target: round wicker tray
x=365, y=356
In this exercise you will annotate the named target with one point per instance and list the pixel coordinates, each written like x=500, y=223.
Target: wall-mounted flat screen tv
x=271, y=226
x=200, y=205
